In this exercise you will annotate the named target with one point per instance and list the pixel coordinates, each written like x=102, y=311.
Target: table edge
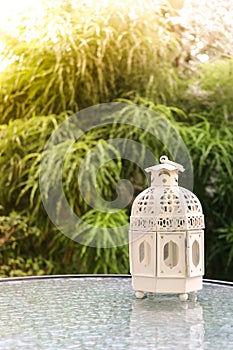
x=44, y=277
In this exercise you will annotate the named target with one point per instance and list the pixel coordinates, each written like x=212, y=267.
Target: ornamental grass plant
x=77, y=55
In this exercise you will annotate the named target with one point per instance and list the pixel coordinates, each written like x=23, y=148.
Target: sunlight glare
x=11, y=12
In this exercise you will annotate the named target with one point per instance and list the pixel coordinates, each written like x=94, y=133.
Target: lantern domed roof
x=166, y=208
x=166, y=200
x=165, y=205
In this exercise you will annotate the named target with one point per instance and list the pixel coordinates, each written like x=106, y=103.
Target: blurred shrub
x=25, y=253
x=22, y=143
x=210, y=90
x=19, y=256
x=79, y=55
x=210, y=147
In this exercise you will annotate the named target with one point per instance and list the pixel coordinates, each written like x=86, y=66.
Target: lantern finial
x=165, y=160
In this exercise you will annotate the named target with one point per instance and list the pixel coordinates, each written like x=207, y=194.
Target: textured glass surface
x=102, y=313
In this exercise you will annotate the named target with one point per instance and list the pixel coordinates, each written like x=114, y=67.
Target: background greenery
x=79, y=54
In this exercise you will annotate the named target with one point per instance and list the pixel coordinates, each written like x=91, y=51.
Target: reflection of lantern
x=166, y=235
x=156, y=318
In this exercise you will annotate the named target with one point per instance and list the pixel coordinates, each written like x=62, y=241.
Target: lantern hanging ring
x=165, y=160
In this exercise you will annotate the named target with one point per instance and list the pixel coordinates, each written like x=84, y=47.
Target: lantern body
x=166, y=236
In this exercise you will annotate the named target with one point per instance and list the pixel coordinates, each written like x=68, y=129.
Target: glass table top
x=103, y=313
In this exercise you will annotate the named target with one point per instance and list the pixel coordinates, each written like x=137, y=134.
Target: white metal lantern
x=166, y=236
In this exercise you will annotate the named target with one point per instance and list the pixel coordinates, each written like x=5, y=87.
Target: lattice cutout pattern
x=146, y=203
x=153, y=224
x=192, y=203
x=168, y=210
x=170, y=202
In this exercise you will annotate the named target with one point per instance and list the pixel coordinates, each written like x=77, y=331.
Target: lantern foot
x=183, y=297
x=193, y=296
x=139, y=294
x=150, y=295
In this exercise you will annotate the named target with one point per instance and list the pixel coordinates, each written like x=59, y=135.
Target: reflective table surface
x=103, y=313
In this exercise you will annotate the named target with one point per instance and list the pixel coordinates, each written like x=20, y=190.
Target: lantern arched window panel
x=170, y=260
x=171, y=254
x=195, y=253
x=144, y=253
x=142, y=246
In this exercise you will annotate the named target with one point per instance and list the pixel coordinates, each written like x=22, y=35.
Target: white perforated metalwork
x=192, y=202
x=165, y=205
x=166, y=209
x=166, y=236
x=170, y=202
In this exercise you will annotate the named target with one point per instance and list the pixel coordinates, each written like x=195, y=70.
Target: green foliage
x=81, y=55
x=18, y=256
x=211, y=148
x=22, y=177
x=23, y=253
x=221, y=252
x=21, y=145
x=103, y=53
x=210, y=90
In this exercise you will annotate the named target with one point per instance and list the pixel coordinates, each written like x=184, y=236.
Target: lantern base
x=167, y=285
